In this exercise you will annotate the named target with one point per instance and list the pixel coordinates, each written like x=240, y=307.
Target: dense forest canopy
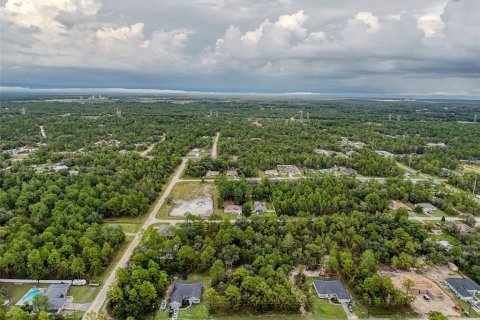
x=100, y=160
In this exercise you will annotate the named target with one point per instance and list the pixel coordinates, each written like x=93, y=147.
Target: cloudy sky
x=344, y=47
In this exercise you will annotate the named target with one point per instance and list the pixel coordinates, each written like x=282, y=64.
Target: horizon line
x=159, y=92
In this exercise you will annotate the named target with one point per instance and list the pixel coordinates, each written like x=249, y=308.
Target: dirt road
x=215, y=144
x=42, y=131
x=99, y=301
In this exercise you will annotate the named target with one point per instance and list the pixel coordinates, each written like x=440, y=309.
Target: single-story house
x=427, y=208
x=57, y=296
x=60, y=167
x=464, y=288
x=290, y=169
x=386, y=154
x=445, y=244
x=259, y=207
x=328, y=289
x=463, y=228
x=165, y=230
x=211, y=173
x=322, y=151
x=232, y=173
x=186, y=294
x=273, y=173
x=233, y=208
x=195, y=152
x=349, y=171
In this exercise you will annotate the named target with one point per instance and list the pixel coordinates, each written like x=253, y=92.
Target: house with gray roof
x=57, y=296
x=328, y=289
x=259, y=207
x=465, y=289
x=185, y=295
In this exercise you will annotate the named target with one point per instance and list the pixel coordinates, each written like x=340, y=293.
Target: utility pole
x=389, y=116
x=398, y=117
x=119, y=113
x=308, y=117
x=24, y=111
x=475, y=119
x=301, y=116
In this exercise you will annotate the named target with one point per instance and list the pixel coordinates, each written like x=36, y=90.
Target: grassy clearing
x=444, y=236
x=126, y=227
x=124, y=220
x=83, y=294
x=471, y=168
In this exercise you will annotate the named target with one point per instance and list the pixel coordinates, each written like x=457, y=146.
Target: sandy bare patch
x=438, y=299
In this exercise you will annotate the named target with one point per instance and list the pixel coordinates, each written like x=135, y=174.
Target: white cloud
x=367, y=42
x=431, y=24
x=369, y=19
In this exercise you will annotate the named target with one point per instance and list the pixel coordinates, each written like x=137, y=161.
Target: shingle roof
x=186, y=290
x=331, y=287
x=463, y=285
x=57, y=295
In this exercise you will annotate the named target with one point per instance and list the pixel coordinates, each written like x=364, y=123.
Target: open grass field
x=471, y=168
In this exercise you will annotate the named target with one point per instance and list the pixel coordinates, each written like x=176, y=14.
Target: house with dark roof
x=328, y=289
x=465, y=289
x=57, y=296
x=185, y=295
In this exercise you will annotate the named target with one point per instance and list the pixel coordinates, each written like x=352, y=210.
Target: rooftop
x=183, y=291
x=57, y=295
x=331, y=287
x=463, y=286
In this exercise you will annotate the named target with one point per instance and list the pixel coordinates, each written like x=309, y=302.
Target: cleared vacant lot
x=438, y=300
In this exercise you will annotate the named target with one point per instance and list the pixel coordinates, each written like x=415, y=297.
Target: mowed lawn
x=14, y=292
x=83, y=294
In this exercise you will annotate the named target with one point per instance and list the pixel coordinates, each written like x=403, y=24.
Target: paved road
x=99, y=301
x=215, y=145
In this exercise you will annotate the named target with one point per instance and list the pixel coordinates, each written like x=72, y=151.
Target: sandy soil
x=442, y=303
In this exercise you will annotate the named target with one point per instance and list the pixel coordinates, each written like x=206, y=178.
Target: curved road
x=100, y=299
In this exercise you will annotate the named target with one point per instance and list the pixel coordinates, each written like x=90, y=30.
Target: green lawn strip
x=126, y=227
x=195, y=312
x=82, y=294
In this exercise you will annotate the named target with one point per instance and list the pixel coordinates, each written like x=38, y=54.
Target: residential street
x=100, y=299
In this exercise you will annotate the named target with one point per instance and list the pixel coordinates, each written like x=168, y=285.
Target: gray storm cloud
x=411, y=47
